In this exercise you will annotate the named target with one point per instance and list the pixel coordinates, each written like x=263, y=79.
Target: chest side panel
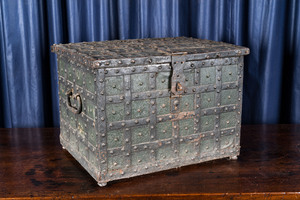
x=78, y=133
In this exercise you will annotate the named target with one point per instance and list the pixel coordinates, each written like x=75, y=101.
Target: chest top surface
x=163, y=48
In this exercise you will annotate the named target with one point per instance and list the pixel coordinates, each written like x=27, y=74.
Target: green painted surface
x=189, y=78
x=207, y=146
x=90, y=108
x=81, y=126
x=164, y=130
x=165, y=152
x=208, y=76
x=229, y=97
x=187, y=150
x=229, y=73
x=116, y=162
x=61, y=67
x=141, y=157
x=79, y=77
x=226, y=141
x=114, y=85
x=186, y=127
x=208, y=100
x=186, y=103
x=90, y=83
x=92, y=158
x=228, y=120
x=140, y=134
x=163, y=80
x=115, y=138
x=92, y=137
x=82, y=150
x=115, y=112
x=207, y=123
x=140, y=82
x=140, y=109
x=163, y=105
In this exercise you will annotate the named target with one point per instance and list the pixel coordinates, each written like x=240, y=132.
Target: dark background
x=28, y=72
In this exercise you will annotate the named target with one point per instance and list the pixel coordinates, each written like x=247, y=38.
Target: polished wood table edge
x=230, y=196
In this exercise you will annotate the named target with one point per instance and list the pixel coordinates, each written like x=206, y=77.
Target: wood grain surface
x=33, y=166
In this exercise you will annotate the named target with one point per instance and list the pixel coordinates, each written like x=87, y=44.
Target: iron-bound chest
x=134, y=107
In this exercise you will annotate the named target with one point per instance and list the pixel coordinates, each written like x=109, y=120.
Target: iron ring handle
x=74, y=109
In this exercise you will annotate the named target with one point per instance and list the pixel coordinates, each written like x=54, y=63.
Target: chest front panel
x=148, y=129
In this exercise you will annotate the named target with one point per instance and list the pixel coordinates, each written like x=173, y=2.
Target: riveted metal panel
x=229, y=96
x=114, y=85
x=207, y=123
x=139, y=82
x=186, y=127
x=140, y=134
x=141, y=157
x=165, y=152
x=229, y=73
x=140, y=106
x=163, y=106
x=163, y=80
x=208, y=76
x=228, y=119
x=115, y=112
x=115, y=138
x=208, y=100
x=164, y=130
x=187, y=150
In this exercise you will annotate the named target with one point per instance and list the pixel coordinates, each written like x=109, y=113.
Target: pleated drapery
x=28, y=72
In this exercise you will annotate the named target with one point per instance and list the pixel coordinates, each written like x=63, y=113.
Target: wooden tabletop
x=33, y=165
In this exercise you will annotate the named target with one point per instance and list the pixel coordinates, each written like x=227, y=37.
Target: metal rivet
x=120, y=62
x=132, y=61
x=123, y=124
x=136, y=121
x=133, y=69
x=145, y=68
x=139, y=110
x=186, y=128
x=229, y=97
x=141, y=83
x=117, y=71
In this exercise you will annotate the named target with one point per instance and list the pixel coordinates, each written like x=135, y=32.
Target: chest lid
x=115, y=53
